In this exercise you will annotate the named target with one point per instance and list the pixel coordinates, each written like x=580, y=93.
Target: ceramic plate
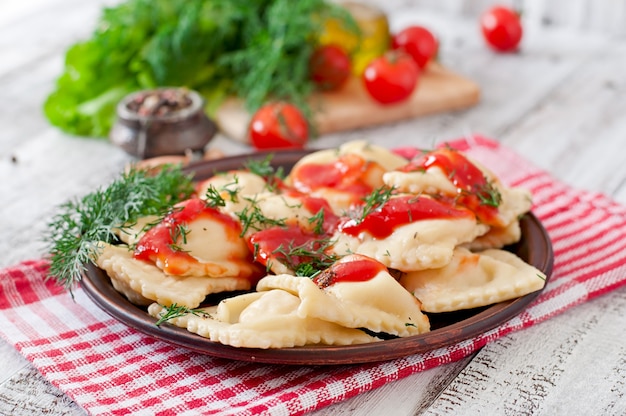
x=447, y=328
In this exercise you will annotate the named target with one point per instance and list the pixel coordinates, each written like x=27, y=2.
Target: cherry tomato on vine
x=501, y=28
x=330, y=67
x=418, y=42
x=392, y=77
x=278, y=125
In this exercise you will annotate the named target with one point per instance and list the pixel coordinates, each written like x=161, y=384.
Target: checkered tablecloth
x=109, y=368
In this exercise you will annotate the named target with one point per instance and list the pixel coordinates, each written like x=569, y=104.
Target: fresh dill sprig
x=488, y=195
x=375, y=200
x=263, y=167
x=213, y=198
x=176, y=311
x=74, y=233
x=252, y=217
x=317, y=221
x=309, y=258
x=178, y=232
x=273, y=175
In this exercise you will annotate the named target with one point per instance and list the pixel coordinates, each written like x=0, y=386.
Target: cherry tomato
x=418, y=42
x=330, y=67
x=502, y=28
x=392, y=77
x=278, y=125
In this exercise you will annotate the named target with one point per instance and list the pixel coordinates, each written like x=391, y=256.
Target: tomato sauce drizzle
x=277, y=243
x=402, y=210
x=266, y=244
x=314, y=205
x=158, y=244
x=469, y=180
x=346, y=174
x=357, y=269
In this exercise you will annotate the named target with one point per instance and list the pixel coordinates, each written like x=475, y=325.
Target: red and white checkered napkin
x=108, y=368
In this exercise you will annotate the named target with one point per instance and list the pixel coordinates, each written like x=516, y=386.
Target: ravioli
x=385, y=241
x=448, y=173
x=234, y=187
x=270, y=209
x=197, y=240
x=472, y=280
x=131, y=233
x=424, y=240
x=356, y=292
x=345, y=175
x=497, y=237
x=143, y=283
x=385, y=158
x=263, y=320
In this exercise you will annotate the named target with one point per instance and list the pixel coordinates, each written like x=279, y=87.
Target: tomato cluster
x=392, y=77
x=389, y=78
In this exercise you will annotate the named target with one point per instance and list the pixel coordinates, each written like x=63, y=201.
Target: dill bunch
x=73, y=234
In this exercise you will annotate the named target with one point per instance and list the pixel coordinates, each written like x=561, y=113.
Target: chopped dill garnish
x=307, y=270
x=375, y=200
x=264, y=168
x=488, y=194
x=309, y=258
x=176, y=311
x=251, y=217
x=317, y=221
x=232, y=189
x=213, y=198
x=178, y=232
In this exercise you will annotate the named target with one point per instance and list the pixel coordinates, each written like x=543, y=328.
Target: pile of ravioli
x=385, y=241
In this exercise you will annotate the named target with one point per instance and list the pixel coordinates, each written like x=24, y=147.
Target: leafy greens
x=252, y=49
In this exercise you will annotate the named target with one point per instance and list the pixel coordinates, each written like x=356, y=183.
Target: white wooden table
x=561, y=102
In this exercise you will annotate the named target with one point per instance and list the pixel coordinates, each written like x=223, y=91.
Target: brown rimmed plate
x=447, y=329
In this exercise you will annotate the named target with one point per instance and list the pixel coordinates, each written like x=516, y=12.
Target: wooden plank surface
x=560, y=102
x=439, y=90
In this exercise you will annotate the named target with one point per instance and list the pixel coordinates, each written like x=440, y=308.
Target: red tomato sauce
x=314, y=205
x=277, y=243
x=469, y=180
x=382, y=222
x=158, y=243
x=346, y=174
x=361, y=269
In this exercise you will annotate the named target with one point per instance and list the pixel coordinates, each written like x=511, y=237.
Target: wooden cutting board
x=439, y=90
